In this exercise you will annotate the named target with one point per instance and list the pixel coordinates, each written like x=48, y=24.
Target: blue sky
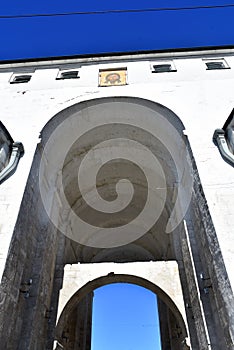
x=125, y=317
x=88, y=34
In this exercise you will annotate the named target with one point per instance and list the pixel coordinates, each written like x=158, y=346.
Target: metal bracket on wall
x=16, y=153
x=219, y=140
x=10, y=154
x=224, y=140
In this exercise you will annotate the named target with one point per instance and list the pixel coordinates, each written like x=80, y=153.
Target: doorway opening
x=125, y=316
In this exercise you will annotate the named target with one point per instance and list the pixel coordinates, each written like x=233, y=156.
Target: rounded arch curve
x=88, y=102
x=117, y=278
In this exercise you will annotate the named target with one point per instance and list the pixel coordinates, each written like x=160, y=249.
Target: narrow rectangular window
x=163, y=67
x=216, y=64
x=20, y=78
x=69, y=74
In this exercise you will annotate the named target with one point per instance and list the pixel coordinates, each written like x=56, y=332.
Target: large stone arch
x=108, y=106
x=39, y=251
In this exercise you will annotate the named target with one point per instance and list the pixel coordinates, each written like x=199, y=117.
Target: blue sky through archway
x=125, y=317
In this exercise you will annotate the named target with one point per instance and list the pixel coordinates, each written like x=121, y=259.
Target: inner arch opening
x=125, y=316
x=129, y=298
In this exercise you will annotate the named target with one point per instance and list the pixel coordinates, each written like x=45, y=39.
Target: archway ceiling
x=155, y=244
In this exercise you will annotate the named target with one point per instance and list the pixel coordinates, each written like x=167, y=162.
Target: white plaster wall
x=202, y=100
x=162, y=274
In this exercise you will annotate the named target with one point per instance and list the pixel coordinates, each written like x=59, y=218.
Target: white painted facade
x=202, y=99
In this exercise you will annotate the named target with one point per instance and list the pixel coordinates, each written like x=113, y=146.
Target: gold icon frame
x=113, y=77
